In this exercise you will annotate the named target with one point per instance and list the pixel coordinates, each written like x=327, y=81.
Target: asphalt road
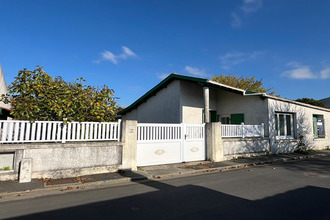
x=290, y=190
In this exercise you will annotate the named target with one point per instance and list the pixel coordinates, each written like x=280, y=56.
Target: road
x=290, y=190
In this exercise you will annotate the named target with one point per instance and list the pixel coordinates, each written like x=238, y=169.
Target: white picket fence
x=167, y=132
x=243, y=130
x=12, y=131
x=158, y=132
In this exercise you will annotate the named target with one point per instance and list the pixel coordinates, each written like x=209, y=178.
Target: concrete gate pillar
x=129, y=139
x=214, y=143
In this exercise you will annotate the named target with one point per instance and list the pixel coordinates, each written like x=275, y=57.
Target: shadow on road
x=318, y=166
x=195, y=202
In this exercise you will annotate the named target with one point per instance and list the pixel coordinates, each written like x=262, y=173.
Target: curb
x=71, y=186
x=239, y=166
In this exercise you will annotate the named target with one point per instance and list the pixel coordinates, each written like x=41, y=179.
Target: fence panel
x=158, y=132
x=56, y=131
x=242, y=130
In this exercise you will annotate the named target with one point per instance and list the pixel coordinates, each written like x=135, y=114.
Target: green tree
x=34, y=95
x=311, y=102
x=247, y=84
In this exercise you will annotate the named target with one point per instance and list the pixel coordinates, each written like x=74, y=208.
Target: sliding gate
x=170, y=143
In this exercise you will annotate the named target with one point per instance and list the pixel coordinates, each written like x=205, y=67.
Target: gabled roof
x=173, y=77
x=211, y=84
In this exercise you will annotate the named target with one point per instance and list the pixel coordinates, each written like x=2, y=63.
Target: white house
x=4, y=108
x=192, y=100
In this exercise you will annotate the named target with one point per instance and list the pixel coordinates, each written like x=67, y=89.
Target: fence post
x=262, y=129
x=64, y=130
x=243, y=130
x=119, y=130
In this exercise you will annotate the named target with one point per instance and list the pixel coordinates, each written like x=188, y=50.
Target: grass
x=5, y=168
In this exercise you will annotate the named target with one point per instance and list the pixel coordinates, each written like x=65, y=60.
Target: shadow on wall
x=195, y=202
x=302, y=128
x=245, y=146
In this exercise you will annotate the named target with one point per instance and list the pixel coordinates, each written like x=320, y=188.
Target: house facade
x=4, y=108
x=192, y=100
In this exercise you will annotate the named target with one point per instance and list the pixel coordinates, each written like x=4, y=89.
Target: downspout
x=206, y=104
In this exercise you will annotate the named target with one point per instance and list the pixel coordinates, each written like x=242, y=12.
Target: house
x=192, y=100
x=4, y=108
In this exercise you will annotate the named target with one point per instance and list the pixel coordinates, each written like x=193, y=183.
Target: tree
x=311, y=102
x=34, y=95
x=248, y=84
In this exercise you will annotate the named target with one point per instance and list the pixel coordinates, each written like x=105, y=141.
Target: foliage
x=311, y=102
x=247, y=84
x=5, y=168
x=34, y=95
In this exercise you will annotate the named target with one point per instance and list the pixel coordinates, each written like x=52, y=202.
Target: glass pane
x=320, y=127
x=281, y=125
x=288, y=125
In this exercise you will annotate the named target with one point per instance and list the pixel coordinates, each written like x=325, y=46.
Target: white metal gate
x=170, y=143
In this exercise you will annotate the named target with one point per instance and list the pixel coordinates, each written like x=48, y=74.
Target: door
x=194, y=142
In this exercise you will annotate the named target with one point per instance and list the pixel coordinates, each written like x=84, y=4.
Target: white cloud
x=162, y=75
x=195, y=71
x=251, y=6
x=248, y=7
x=109, y=56
x=235, y=20
x=299, y=71
x=127, y=53
x=325, y=74
x=235, y=57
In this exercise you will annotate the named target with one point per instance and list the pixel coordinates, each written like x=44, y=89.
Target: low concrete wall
x=235, y=147
x=6, y=160
x=65, y=160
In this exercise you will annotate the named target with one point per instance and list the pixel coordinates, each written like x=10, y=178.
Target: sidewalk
x=13, y=188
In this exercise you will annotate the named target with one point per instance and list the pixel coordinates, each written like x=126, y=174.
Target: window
x=318, y=126
x=284, y=125
x=225, y=120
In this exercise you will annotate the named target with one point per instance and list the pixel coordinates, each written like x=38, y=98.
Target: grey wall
x=192, y=102
x=164, y=107
x=7, y=160
x=240, y=146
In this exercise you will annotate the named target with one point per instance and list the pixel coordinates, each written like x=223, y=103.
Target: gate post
x=129, y=139
x=214, y=143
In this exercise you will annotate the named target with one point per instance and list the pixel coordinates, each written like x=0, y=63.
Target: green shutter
x=237, y=119
x=213, y=115
x=1, y=112
x=203, y=116
x=315, y=127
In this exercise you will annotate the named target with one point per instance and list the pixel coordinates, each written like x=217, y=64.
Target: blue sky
x=131, y=45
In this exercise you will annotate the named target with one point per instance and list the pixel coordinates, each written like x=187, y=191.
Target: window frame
x=316, y=120
x=281, y=119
